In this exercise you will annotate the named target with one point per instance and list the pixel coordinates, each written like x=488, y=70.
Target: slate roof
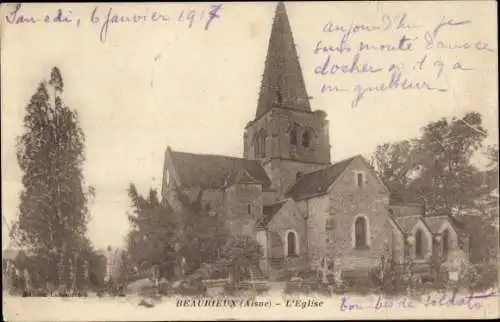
x=268, y=213
x=317, y=183
x=216, y=171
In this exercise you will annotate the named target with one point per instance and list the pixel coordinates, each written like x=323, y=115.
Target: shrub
x=163, y=288
x=483, y=276
x=190, y=287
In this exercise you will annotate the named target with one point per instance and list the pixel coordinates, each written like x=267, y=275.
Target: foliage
x=239, y=254
x=436, y=168
x=154, y=232
x=97, y=270
x=485, y=276
x=53, y=212
x=483, y=244
x=203, y=233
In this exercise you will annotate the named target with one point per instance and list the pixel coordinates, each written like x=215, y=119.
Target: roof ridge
x=327, y=167
x=277, y=203
x=213, y=155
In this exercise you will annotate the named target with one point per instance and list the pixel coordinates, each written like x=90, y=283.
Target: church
x=286, y=192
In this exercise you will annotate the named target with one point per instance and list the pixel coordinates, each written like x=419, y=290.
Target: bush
x=163, y=288
x=483, y=277
x=190, y=287
x=148, y=291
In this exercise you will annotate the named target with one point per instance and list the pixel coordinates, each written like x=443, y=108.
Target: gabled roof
x=436, y=222
x=282, y=82
x=240, y=176
x=395, y=224
x=268, y=213
x=317, y=183
x=407, y=223
x=215, y=171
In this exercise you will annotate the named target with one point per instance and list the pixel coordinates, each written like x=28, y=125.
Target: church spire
x=282, y=82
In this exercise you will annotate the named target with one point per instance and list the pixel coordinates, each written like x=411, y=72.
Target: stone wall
x=243, y=207
x=343, y=203
x=398, y=246
x=288, y=219
x=276, y=124
x=314, y=210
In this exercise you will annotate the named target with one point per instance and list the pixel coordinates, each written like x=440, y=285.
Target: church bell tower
x=285, y=135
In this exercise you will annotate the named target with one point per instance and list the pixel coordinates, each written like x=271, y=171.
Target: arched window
x=293, y=136
x=446, y=243
x=257, y=146
x=306, y=139
x=419, y=244
x=167, y=177
x=262, y=144
x=291, y=241
x=360, y=232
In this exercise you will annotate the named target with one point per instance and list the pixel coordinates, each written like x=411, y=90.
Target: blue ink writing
x=213, y=14
x=453, y=300
x=189, y=16
x=406, y=303
x=387, y=22
x=458, y=65
x=329, y=68
x=403, y=44
x=383, y=303
x=58, y=18
x=113, y=18
x=432, y=43
x=448, y=22
x=340, y=48
x=481, y=45
x=397, y=22
x=331, y=88
x=15, y=17
x=345, y=306
x=396, y=81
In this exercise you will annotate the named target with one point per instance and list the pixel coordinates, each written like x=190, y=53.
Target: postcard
x=249, y=161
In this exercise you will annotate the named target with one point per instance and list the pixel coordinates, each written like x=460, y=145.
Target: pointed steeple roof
x=282, y=82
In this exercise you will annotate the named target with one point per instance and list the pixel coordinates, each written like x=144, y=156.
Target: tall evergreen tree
x=203, y=232
x=151, y=240
x=53, y=212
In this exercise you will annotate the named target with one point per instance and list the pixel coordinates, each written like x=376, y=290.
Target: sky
x=153, y=84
